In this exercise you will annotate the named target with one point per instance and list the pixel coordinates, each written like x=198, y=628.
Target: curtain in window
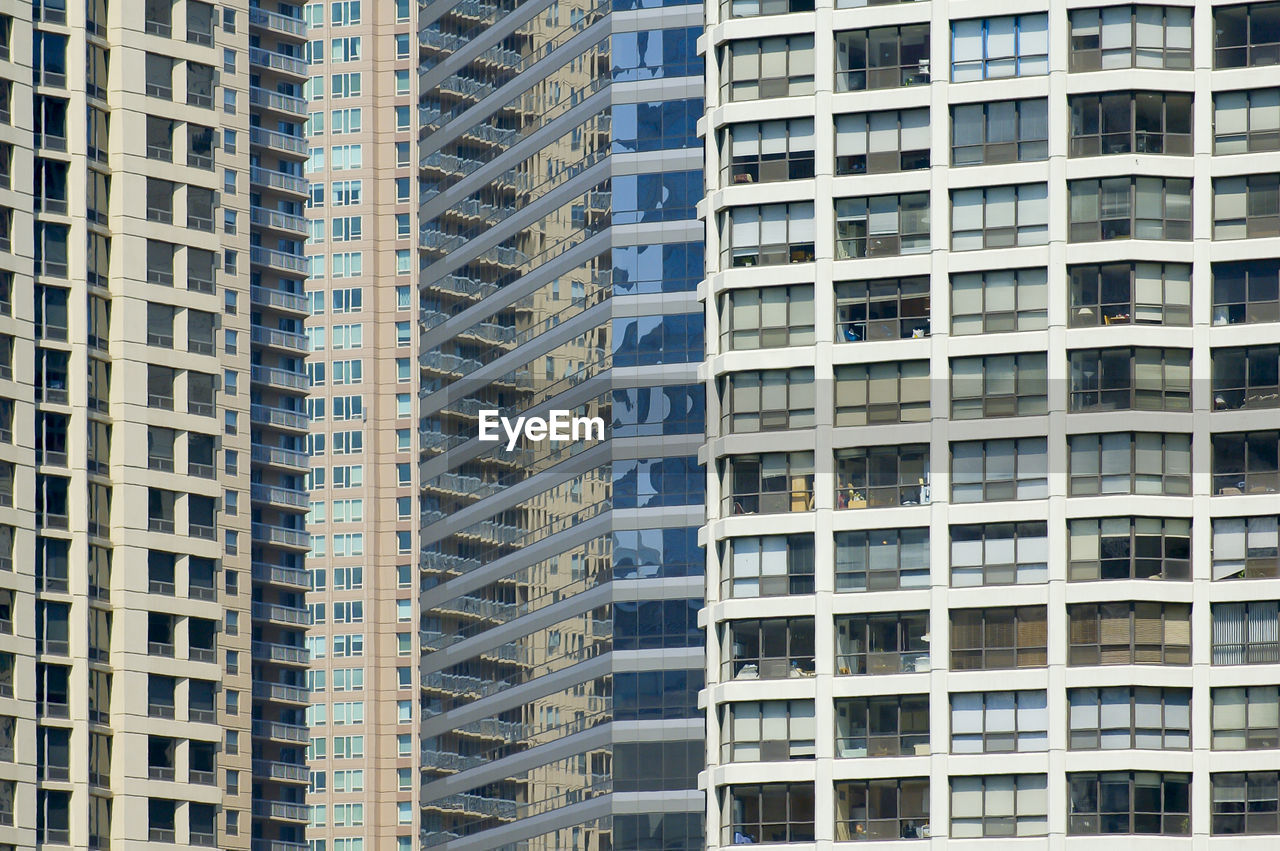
x=1228, y=634
x=1263, y=632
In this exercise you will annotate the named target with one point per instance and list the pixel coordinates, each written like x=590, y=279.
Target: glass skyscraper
x=560, y=254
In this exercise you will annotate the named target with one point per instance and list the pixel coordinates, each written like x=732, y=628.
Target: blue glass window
x=656, y=624
x=669, y=268
x=676, y=409
x=646, y=553
x=654, y=482
x=651, y=54
x=667, y=196
x=646, y=340
x=656, y=125
x=657, y=694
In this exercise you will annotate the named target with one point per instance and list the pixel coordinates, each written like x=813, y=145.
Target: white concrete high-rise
x=993, y=343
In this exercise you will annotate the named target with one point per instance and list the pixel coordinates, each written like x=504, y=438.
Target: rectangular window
x=1245, y=547
x=1014, y=385
x=882, y=142
x=882, y=225
x=1130, y=208
x=1130, y=462
x=781, y=66
x=883, y=309
x=1130, y=123
x=891, y=643
x=882, y=726
x=1245, y=803
x=767, y=235
x=1246, y=718
x=767, y=400
x=880, y=476
x=767, y=566
x=992, y=48
x=1246, y=207
x=764, y=152
x=1129, y=293
x=1000, y=132
x=773, y=812
x=1246, y=377
x=886, y=392
x=892, y=808
x=1130, y=37
x=1000, y=554
x=1246, y=36
x=999, y=638
x=1246, y=292
x=756, y=8
x=770, y=649
x=1000, y=805
x=882, y=559
x=768, y=483
x=1245, y=462
x=1129, y=633
x=883, y=58
x=995, y=470
x=1245, y=633
x=1129, y=548
x=1129, y=717
x=1142, y=379
x=1246, y=121
x=999, y=300
x=999, y=722
x=768, y=731
x=1129, y=802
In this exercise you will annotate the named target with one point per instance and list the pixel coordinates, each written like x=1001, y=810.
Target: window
x=994, y=639
x=999, y=217
x=884, y=309
x=999, y=132
x=1129, y=802
x=1144, y=379
x=999, y=300
x=1246, y=718
x=1129, y=633
x=1125, y=293
x=1246, y=36
x=882, y=142
x=995, y=470
x=754, y=8
x=768, y=731
x=768, y=566
x=767, y=318
x=768, y=483
x=1246, y=121
x=345, y=49
x=879, y=476
x=882, y=559
x=1129, y=548
x=882, y=809
x=768, y=151
x=1000, y=805
x=884, y=58
x=999, y=722
x=770, y=649
x=987, y=49
x=1130, y=462
x=1131, y=207
x=781, y=66
x=1246, y=378
x=1245, y=633
x=1246, y=207
x=999, y=554
x=1245, y=548
x=1130, y=123
x=1245, y=462
x=768, y=235
x=882, y=225
x=1130, y=37
x=767, y=400
x=773, y=812
x=1129, y=717
x=999, y=386
x=1245, y=292
x=890, y=643
x=1245, y=803
x=885, y=392
x=882, y=726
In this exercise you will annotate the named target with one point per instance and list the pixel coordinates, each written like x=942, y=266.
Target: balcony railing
x=279, y=23
x=279, y=298
x=277, y=61
x=269, y=257
x=274, y=139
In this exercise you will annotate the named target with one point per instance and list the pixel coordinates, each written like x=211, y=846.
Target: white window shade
x=915, y=129
x=851, y=135
x=966, y=798
x=801, y=226
x=966, y=553
x=884, y=132
x=745, y=228
x=773, y=224
x=1001, y=42
x=1263, y=710
x=745, y=140
x=773, y=138
x=1033, y=42
x=801, y=134
x=1264, y=110
x=1229, y=708
x=1033, y=712
x=1033, y=549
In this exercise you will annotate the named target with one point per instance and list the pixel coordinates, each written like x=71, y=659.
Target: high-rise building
x=362, y=334
x=974, y=258
x=560, y=171
x=151, y=502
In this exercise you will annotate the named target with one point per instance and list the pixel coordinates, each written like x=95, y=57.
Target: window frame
x=884, y=160
x=909, y=401
x=793, y=162
x=988, y=621
x=797, y=746
x=799, y=231
x=798, y=566
x=1171, y=394
x=847, y=543
x=911, y=69
x=863, y=493
x=1252, y=736
x=987, y=66
x=1082, y=313
x=1027, y=377
x=1079, y=569
x=1026, y=705
x=1037, y=572
x=1102, y=227
x=793, y=829
x=1088, y=634
x=909, y=736
x=858, y=646
x=1031, y=316
x=1245, y=565
x=1081, y=58
x=1023, y=146
x=910, y=233
x=1171, y=737
x=1246, y=139
x=799, y=398
x=1027, y=790
x=1091, y=110
x=799, y=499
x=759, y=87
x=1026, y=227
x=1263, y=811
x=798, y=654
x=1170, y=483
x=796, y=332
x=911, y=309
x=1036, y=482
x=1253, y=448
x=1082, y=821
